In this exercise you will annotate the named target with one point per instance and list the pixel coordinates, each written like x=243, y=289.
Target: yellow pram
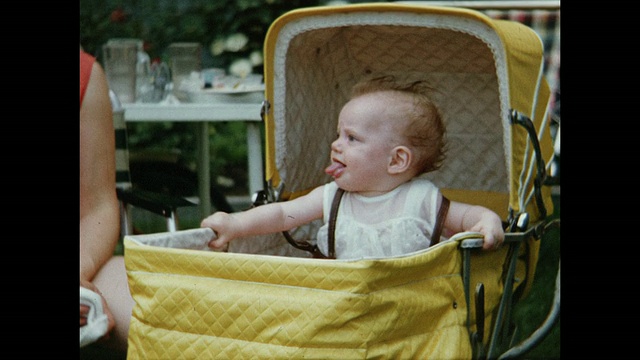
x=267, y=299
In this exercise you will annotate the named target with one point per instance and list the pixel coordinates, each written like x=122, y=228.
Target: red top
x=86, y=65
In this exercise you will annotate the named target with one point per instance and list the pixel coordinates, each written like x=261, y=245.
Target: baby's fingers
x=490, y=243
x=218, y=244
x=493, y=241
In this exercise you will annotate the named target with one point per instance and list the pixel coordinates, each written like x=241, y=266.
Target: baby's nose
x=335, y=145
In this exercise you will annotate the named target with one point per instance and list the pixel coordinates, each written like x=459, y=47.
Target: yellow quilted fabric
x=192, y=303
x=198, y=304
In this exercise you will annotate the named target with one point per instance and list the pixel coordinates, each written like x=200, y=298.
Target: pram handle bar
x=518, y=118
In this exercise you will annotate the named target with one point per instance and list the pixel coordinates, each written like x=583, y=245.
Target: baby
x=389, y=133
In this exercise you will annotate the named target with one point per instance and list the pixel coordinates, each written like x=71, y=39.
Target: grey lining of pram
x=314, y=98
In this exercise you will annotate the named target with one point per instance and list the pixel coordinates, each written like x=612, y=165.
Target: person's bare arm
x=465, y=217
x=99, y=211
x=265, y=219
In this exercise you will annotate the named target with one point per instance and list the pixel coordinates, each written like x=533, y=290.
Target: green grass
x=532, y=310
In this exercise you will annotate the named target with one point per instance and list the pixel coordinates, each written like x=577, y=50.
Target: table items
x=160, y=81
x=185, y=58
x=119, y=61
x=143, y=63
x=224, y=88
x=214, y=96
x=211, y=76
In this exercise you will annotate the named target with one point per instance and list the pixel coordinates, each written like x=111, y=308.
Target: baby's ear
x=400, y=160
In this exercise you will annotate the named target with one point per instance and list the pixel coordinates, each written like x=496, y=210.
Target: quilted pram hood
x=483, y=69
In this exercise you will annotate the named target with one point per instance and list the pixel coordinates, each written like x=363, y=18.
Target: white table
x=202, y=114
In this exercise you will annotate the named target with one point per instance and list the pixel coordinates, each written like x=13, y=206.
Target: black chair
x=161, y=204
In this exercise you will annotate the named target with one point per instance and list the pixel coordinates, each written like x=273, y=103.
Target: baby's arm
x=465, y=217
x=265, y=219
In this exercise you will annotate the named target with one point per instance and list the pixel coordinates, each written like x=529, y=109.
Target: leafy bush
x=161, y=22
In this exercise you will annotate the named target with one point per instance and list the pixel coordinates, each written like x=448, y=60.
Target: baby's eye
x=351, y=138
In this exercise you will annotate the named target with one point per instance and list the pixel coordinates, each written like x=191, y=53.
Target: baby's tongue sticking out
x=335, y=169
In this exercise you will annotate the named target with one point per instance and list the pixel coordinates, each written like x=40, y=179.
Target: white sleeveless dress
x=396, y=223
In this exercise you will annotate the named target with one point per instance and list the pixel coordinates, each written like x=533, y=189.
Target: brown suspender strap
x=332, y=229
x=442, y=214
x=332, y=222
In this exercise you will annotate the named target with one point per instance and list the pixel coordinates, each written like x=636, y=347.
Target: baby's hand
x=491, y=227
x=221, y=223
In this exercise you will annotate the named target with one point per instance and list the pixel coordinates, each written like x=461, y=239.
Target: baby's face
x=362, y=150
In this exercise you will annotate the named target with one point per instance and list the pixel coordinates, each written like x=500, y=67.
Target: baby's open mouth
x=335, y=169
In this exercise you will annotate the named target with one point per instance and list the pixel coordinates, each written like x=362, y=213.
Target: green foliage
x=227, y=146
x=160, y=22
x=531, y=312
